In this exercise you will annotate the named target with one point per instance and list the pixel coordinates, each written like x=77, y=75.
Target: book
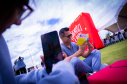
x=82, y=38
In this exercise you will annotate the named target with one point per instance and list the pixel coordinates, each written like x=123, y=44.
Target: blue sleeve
x=62, y=73
x=22, y=58
x=16, y=61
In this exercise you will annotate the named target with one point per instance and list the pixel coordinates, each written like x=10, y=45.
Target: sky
x=50, y=15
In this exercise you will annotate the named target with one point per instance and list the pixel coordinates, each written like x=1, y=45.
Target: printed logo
x=75, y=32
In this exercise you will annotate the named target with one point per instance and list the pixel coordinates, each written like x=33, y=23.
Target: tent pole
x=31, y=58
x=120, y=30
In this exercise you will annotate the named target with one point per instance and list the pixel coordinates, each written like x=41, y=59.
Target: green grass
x=113, y=53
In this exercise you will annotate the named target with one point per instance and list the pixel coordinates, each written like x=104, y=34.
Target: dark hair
x=19, y=57
x=61, y=32
x=7, y=8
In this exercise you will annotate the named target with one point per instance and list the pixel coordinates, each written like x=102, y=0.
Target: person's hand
x=66, y=58
x=64, y=55
x=89, y=46
x=42, y=58
x=82, y=48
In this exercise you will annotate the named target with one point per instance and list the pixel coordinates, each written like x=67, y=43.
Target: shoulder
x=16, y=60
x=73, y=43
x=63, y=47
x=62, y=44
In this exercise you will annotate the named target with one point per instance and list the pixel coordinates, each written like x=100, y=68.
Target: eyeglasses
x=25, y=12
x=68, y=36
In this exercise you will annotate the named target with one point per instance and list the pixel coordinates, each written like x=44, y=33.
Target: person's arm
x=89, y=49
x=16, y=60
x=80, y=51
x=22, y=58
x=62, y=73
x=86, y=53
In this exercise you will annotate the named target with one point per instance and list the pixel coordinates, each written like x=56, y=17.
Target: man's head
x=12, y=12
x=19, y=57
x=65, y=35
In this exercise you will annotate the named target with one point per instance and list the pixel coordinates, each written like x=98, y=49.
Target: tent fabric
x=120, y=17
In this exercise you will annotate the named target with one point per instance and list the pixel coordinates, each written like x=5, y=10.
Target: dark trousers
x=17, y=72
x=22, y=70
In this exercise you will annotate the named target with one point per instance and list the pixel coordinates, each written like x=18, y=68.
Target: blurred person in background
x=120, y=36
x=16, y=69
x=12, y=12
x=21, y=65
